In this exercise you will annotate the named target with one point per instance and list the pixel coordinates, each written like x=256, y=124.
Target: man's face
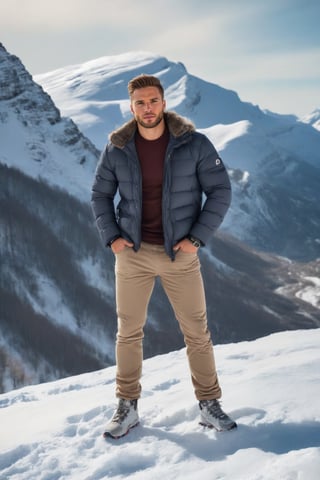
x=147, y=106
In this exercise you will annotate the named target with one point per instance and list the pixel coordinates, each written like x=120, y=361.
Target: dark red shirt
x=151, y=154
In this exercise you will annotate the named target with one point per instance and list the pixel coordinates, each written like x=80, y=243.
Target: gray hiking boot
x=124, y=418
x=212, y=415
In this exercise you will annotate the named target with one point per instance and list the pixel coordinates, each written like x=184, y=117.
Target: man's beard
x=154, y=124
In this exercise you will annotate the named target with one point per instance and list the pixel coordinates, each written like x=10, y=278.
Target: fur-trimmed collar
x=177, y=126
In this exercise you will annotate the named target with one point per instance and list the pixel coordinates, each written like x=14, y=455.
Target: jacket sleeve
x=215, y=183
x=102, y=199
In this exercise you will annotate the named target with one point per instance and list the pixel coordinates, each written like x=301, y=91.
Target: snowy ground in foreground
x=271, y=387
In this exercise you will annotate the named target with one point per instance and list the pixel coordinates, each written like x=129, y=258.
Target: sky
x=268, y=52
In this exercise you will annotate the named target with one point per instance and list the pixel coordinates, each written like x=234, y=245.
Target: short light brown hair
x=142, y=81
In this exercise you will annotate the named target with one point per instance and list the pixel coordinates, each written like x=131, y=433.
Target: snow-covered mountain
x=57, y=312
x=270, y=386
x=34, y=137
x=313, y=118
x=46, y=168
x=273, y=159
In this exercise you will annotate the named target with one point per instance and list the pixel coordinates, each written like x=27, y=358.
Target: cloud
x=238, y=44
x=61, y=15
x=142, y=16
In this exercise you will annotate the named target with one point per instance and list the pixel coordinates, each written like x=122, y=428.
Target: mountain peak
x=28, y=113
x=16, y=82
x=13, y=76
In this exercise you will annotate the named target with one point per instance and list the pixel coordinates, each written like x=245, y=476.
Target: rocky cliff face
x=44, y=158
x=34, y=136
x=25, y=95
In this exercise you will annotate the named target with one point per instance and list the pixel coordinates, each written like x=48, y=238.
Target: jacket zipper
x=168, y=236
x=137, y=177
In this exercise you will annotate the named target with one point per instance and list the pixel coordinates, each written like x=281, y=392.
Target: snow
x=313, y=118
x=54, y=306
x=307, y=289
x=311, y=292
x=93, y=271
x=53, y=431
x=17, y=151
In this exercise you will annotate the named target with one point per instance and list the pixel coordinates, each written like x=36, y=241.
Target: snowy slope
x=44, y=155
x=53, y=431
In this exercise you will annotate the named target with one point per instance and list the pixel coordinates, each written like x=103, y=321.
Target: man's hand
x=185, y=246
x=120, y=244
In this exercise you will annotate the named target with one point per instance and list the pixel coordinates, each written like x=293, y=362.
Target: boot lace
x=214, y=408
x=122, y=410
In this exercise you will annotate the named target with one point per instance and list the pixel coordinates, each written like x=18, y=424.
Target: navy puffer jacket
x=192, y=167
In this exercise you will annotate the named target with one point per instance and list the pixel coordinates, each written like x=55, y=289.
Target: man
x=160, y=166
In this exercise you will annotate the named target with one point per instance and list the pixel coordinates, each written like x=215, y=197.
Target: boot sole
x=210, y=426
x=116, y=437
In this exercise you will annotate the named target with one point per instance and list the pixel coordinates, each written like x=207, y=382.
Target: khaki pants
x=182, y=282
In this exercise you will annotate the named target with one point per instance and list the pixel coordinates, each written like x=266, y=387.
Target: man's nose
x=147, y=106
